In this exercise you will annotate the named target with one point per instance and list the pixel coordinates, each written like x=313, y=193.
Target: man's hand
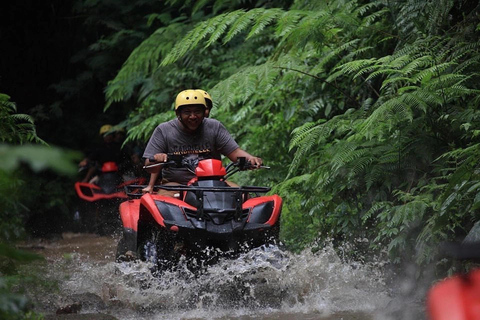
x=237, y=153
x=255, y=161
x=160, y=157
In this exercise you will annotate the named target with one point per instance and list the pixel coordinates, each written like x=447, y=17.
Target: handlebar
x=158, y=164
x=173, y=159
x=179, y=160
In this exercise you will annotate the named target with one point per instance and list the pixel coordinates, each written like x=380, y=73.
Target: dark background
x=46, y=70
x=50, y=73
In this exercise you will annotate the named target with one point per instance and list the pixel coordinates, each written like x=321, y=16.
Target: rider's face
x=192, y=117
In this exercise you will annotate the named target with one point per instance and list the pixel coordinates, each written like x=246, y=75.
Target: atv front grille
x=217, y=215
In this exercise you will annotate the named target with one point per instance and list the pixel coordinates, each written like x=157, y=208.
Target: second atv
x=97, y=210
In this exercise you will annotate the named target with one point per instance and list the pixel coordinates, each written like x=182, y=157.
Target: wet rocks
x=86, y=316
x=71, y=308
x=89, y=301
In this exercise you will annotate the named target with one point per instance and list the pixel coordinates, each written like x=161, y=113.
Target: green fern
x=142, y=62
x=367, y=110
x=16, y=128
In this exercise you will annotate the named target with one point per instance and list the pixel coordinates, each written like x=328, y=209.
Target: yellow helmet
x=105, y=128
x=188, y=98
x=208, y=98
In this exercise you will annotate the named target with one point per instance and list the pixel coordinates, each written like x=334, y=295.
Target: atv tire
x=122, y=253
x=155, y=249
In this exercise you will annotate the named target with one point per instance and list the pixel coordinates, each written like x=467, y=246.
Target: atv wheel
x=271, y=236
x=150, y=251
x=123, y=254
x=155, y=249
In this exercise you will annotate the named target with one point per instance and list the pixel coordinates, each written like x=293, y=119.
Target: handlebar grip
x=154, y=161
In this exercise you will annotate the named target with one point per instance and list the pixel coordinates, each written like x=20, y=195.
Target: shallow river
x=266, y=283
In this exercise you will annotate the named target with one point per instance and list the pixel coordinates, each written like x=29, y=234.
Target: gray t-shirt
x=211, y=140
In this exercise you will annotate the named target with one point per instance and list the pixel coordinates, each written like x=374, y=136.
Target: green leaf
x=38, y=157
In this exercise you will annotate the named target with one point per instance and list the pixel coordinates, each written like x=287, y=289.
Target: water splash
x=263, y=283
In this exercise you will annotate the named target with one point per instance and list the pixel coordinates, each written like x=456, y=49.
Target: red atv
x=102, y=199
x=206, y=213
x=457, y=297
x=109, y=185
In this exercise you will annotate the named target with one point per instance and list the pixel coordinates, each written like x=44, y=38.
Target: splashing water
x=265, y=283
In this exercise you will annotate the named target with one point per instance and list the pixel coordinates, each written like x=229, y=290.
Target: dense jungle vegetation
x=366, y=111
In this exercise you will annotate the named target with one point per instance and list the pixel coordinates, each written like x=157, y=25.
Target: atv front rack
x=134, y=191
x=244, y=189
x=240, y=194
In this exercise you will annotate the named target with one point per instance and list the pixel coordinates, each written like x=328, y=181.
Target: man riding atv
x=191, y=133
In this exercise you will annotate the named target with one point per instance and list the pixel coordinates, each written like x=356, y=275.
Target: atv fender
x=264, y=210
x=129, y=211
x=91, y=192
x=129, y=214
x=457, y=298
x=150, y=207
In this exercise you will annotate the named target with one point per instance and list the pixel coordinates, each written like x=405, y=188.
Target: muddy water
x=266, y=283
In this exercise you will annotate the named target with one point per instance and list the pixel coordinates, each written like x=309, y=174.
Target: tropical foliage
x=365, y=110
x=15, y=130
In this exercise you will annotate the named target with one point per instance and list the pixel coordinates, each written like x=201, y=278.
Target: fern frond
x=433, y=71
x=346, y=154
x=382, y=72
x=6, y=104
x=247, y=82
x=244, y=21
x=288, y=22
x=228, y=20
x=375, y=208
x=301, y=133
x=265, y=19
x=189, y=42
x=375, y=16
x=143, y=131
x=360, y=162
x=141, y=63
x=357, y=66
x=22, y=117
x=385, y=114
x=398, y=81
x=416, y=64
x=236, y=21
x=305, y=138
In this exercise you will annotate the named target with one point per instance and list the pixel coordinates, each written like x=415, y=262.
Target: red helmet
x=109, y=167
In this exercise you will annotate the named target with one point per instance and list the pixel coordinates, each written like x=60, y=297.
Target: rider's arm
x=255, y=161
x=150, y=170
x=155, y=149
